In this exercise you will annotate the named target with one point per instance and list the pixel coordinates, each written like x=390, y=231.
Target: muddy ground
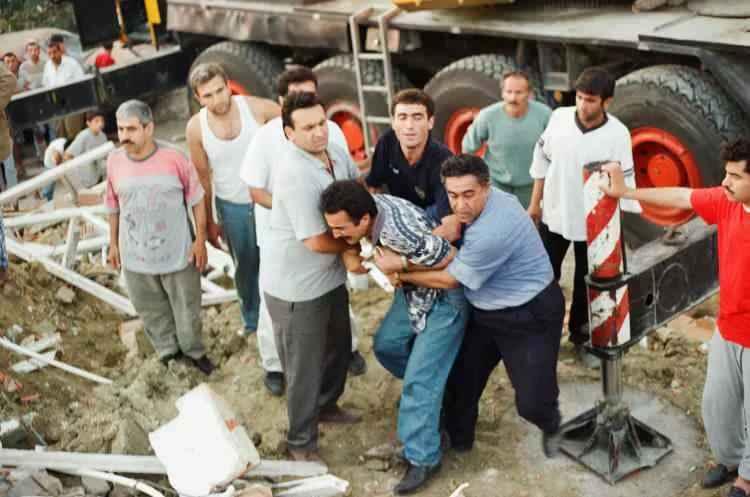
x=76, y=415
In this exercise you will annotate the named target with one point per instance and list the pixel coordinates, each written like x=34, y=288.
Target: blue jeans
x=11, y=174
x=423, y=361
x=3, y=253
x=238, y=224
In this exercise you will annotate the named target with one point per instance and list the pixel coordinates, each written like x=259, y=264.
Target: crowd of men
x=473, y=246
x=57, y=68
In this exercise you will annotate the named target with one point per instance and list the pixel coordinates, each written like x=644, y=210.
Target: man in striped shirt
x=419, y=338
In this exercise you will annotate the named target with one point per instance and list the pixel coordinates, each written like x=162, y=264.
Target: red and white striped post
x=609, y=310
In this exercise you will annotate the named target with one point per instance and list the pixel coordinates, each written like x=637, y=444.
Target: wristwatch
x=404, y=264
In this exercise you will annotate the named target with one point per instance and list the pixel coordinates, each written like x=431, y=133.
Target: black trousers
x=557, y=247
x=527, y=339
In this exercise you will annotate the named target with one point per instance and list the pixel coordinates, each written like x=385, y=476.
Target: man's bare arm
x=262, y=197
x=264, y=109
x=114, y=246
x=199, y=158
x=325, y=243
x=676, y=197
x=430, y=279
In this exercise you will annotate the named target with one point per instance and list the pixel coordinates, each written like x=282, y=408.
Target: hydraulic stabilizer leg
x=607, y=439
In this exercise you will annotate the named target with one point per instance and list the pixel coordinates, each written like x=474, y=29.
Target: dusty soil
x=75, y=414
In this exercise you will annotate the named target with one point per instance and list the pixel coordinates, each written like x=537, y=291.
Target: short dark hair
x=9, y=54
x=412, y=96
x=91, y=114
x=295, y=101
x=52, y=42
x=295, y=75
x=518, y=73
x=737, y=150
x=57, y=38
x=350, y=196
x=596, y=81
x=464, y=165
x=107, y=45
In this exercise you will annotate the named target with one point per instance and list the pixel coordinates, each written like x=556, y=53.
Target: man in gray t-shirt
x=88, y=139
x=303, y=276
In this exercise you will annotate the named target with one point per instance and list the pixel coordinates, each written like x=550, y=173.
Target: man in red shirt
x=104, y=59
x=726, y=394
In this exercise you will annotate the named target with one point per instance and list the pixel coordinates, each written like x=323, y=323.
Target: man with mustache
x=726, y=394
x=218, y=137
x=574, y=137
x=510, y=129
x=150, y=188
x=517, y=307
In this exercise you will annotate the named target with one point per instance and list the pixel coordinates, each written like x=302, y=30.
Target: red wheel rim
x=346, y=115
x=457, y=126
x=236, y=88
x=662, y=160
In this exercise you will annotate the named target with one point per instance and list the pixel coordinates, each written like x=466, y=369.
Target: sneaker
x=357, y=364
x=274, y=382
x=415, y=478
x=204, y=364
x=586, y=358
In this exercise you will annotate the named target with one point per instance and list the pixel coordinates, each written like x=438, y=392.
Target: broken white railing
x=60, y=260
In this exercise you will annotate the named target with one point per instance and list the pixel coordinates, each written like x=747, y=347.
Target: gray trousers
x=726, y=403
x=313, y=338
x=170, y=307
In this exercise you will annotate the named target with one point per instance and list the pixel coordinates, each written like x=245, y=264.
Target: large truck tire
x=251, y=67
x=337, y=88
x=463, y=88
x=678, y=118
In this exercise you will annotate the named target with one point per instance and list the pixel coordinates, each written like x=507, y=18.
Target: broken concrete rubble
x=65, y=295
x=95, y=486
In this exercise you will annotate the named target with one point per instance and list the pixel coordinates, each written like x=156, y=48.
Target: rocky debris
x=74, y=492
x=14, y=332
x=44, y=328
x=130, y=439
x=35, y=483
x=95, y=486
x=66, y=295
x=255, y=490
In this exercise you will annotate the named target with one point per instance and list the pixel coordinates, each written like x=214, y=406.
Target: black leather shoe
x=415, y=478
x=357, y=364
x=170, y=357
x=274, y=382
x=718, y=476
x=204, y=365
x=551, y=443
x=736, y=492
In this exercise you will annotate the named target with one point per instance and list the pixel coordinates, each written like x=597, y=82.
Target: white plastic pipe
x=53, y=362
x=120, y=480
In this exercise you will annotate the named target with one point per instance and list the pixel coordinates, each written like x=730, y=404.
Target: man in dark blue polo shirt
x=517, y=306
x=407, y=159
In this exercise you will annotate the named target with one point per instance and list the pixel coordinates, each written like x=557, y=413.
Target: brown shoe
x=337, y=415
x=306, y=455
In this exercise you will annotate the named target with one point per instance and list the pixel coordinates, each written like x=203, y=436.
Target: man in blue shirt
x=419, y=338
x=517, y=306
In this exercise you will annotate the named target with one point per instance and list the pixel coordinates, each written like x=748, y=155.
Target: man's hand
x=57, y=157
x=353, y=262
x=114, y=256
x=616, y=187
x=535, y=213
x=387, y=260
x=213, y=233
x=395, y=280
x=198, y=255
x=450, y=228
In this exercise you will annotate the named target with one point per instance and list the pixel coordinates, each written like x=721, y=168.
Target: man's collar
x=583, y=128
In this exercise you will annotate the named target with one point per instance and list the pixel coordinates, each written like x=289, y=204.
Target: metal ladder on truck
x=381, y=55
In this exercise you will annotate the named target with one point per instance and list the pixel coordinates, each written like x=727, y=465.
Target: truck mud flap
x=43, y=105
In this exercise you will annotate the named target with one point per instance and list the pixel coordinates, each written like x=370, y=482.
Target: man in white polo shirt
x=574, y=137
x=60, y=70
x=218, y=137
x=303, y=276
x=257, y=172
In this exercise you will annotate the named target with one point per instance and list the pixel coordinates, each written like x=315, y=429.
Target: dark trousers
x=527, y=339
x=557, y=247
x=314, y=340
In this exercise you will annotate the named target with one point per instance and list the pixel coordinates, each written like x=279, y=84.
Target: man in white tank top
x=257, y=174
x=217, y=138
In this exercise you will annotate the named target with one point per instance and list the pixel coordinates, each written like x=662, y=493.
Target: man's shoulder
x=538, y=108
x=168, y=151
x=388, y=139
x=491, y=110
x=438, y=150
x=616, y=125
